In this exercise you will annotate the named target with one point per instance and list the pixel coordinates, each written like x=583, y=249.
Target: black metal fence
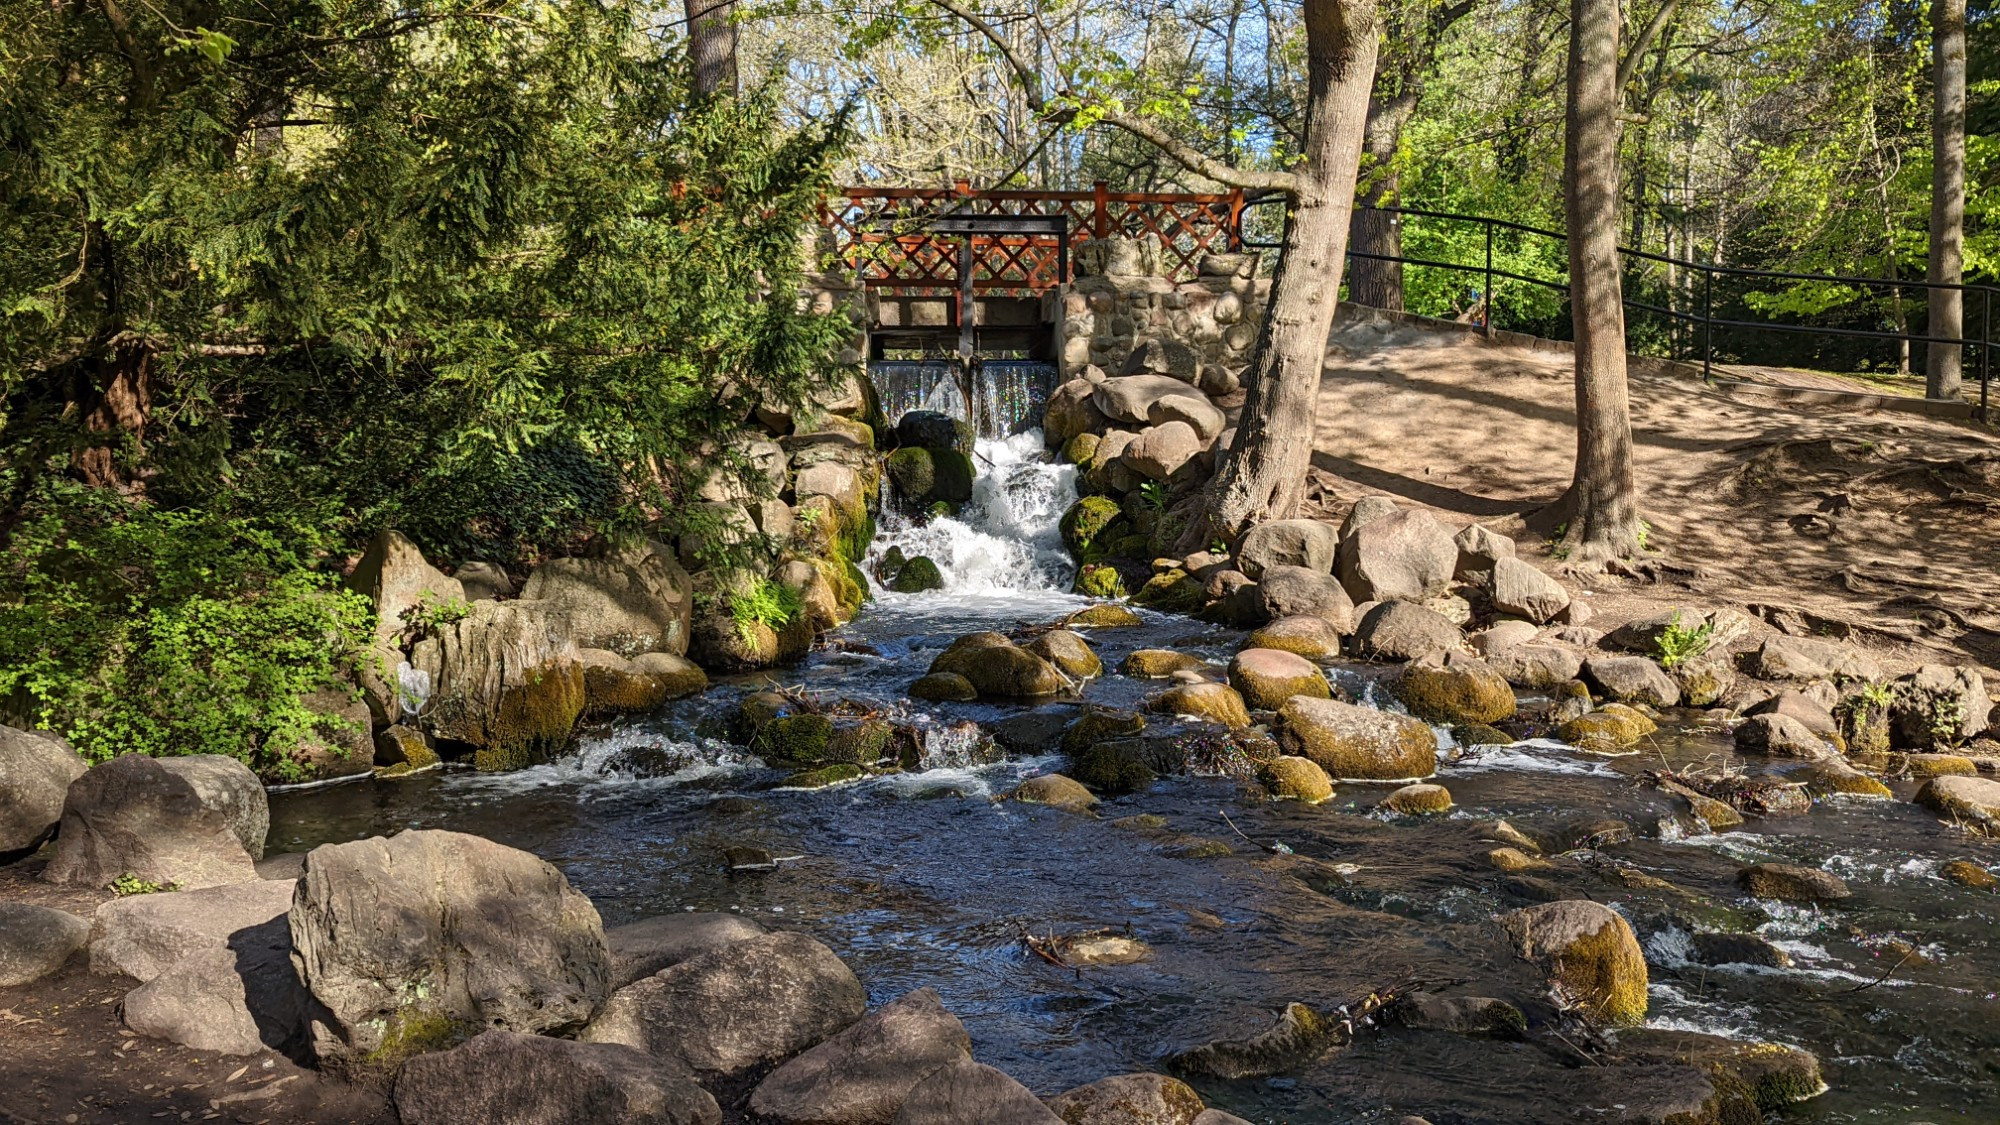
x=1713, y=305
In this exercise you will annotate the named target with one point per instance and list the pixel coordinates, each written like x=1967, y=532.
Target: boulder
x=36, y=769
x=1071, y=411
x=1800, y=658
x=1295, y=591
x=142, y=936
x=1833, y=777
x=1705, y=677
x=36, y=941
x=196, y=821
x=1298, y=1038
x=919, y=575
x=508, y=683
x=1314, y=638
x=1292, y=778
x=1215, y=703
x=944, y=687
x=731, y=1010
x=1365, y=511
x=1199, y=414
x=1632, y=679
x=1794, y=704
x=1781, y=735
x=239, y=999
x=1130, y=399
x=1159, y=664
x=1129, y=1099
x=1503, y=635
x=1971, y=801
x=1160, y=451
x=999, y=667
x=747, y=466
x=1267, y=677
x=1937, y=707
x=1089, y=524
x=484, y=581
x=1404, y=556
x=1420, y=799
x=1455, y=688
x=1069, y=652
x=1590, y=951
x=392, y=573
x=930, y=429
x=1523, y=590
x=537, y=1080
x=1610, y=730
x=640, y=949
x=1353, y=743
x=1537, y=667
x=1787, y=882
x=628, y=601
x=1056, y=791
x=1301, y=543
x=1401, y=631
x=963, y=1092
x=412, y=942
x=1479, y=548
x=863, y=1075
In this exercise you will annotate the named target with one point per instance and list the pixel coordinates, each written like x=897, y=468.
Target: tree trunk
x=1947, y=261
x=1262, y=476
x=1602, y=503
x=119, y=400
x=1375, y=281
x=712, y=46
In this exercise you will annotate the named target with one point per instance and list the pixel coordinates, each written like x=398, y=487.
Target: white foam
x=1536, y=755
x=1007, y=539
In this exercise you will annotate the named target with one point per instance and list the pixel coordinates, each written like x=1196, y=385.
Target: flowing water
x=920, y=879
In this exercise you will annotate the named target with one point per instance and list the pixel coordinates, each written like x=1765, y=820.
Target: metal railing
x=1705, y=320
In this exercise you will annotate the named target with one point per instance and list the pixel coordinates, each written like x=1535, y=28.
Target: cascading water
x=1005, y=540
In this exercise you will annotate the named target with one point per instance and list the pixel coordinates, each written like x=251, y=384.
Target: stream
x=920, y=879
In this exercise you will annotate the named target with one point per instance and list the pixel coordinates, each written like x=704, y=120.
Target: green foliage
x=1680, y=643
x=432, y=614
x=1153, y=495
x=767, y=603
x=130, y=884
x=132, y=629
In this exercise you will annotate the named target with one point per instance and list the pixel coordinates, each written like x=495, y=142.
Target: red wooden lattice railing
x=879, y=233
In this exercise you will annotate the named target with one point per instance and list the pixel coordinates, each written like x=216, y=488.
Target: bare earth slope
x=1884, y=526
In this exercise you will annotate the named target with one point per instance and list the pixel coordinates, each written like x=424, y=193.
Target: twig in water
x=1278, y=848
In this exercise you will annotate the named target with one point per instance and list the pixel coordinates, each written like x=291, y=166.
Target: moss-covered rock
x=1358, y=743
x=825, y=776
x=1159, y=664
x=912, y=473
x=944, y=687
x=1966, y=873
x=1299, y=1038
x=997, y=666
x=1099, y=725
x=1215, y=703
x=1418, y=800
x=1296, y=779
x=402, y=745
x=1098, y=580
x=1787, y=882
x=918, y=575
x=1111, y=768
x=1068, y=652
x=1515, y=860
x=1056, y=791
x=1102, y=617
x=613, y=685
x=861, y=743
x=1314, y=638
x=1590, y=951
x=1612, y=729
x=1455, y=688
x=1768, y=1076
x=1267, y=677
x=1090, y=524
x=794, y=738
x=1080, y=449
x=1835, y=778
x=1971, y=801
x=534, y=719
x=1926, y=766
x=1171, y=591
x=953, y=473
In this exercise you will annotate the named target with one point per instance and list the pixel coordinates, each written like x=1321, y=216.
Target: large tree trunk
x=1376, y=281
x=712, y=46
x=1263, y=474
x=1947, y=262
x=117, y=397
x=1602, y=503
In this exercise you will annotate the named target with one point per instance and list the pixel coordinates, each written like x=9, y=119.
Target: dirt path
x=1883, y=524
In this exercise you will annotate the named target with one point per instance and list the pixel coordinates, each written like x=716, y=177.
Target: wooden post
x=1236, y=220
x=1100, y=224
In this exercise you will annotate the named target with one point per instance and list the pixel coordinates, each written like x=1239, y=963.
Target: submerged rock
x=863, y=1075
x=1056, y=791
x=1129, y=1099
x=1790, y=883
x=1737, y=949
x=1160, y=664
x=1267, y=677
x=1354, y=743
x=1418, y=800
x=1298, y=1038
x=1590, y=951
x=1461, y=1015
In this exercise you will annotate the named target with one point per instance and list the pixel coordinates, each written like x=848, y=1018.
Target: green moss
x=953, y=473
x=944, y=687
x=826, y=775
x=1202, y=848
x=795, y=738
x=913, y=473
x=1479, y=734
x=919, y=575
x=1102, y=617
x=533, y=721
x=1141, y=822
x=1099, y=725
x=1095, y=580
x=620, y=691
x=1080, y=449
x=1611, y=729
x=1172, y=591
x=1296, y=779
x=1087, y=521
x=1458, y=692
x=1418, y=800
x=862, y=744
x=1159, y=663
x=1607, y=972
x=414, y=1031
x=1107, y=769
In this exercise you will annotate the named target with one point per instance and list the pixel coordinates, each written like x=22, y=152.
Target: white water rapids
x=1006, y=539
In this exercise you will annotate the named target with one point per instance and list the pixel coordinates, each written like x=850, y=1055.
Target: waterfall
x=1009, y=393
x=1005, y=540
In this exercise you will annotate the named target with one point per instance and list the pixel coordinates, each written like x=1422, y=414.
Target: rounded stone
x=1296, y=779
x=1267, y=677
x=1419, y=799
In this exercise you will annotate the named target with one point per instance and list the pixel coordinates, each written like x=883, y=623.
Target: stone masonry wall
x=1122, y=300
